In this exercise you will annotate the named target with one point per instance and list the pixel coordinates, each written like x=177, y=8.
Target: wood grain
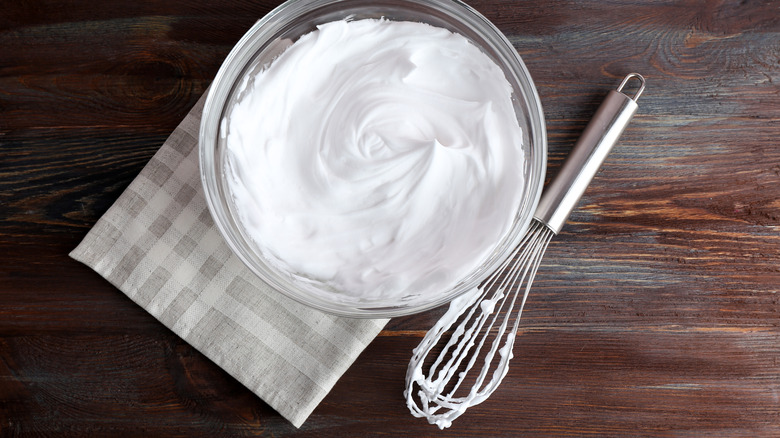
x=655, y=311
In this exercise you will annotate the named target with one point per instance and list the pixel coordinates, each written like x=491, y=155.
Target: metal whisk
x=486, y=316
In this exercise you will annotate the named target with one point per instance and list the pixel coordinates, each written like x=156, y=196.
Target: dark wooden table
x=655, y=312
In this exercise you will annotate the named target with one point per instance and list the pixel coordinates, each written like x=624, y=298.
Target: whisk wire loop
x=478, y=314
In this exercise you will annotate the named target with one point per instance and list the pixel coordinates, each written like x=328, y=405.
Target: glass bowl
x=283, y=26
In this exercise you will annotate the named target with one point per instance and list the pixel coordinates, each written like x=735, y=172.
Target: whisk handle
x=565, y=190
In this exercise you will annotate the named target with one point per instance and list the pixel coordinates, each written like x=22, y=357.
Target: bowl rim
x=214, y=109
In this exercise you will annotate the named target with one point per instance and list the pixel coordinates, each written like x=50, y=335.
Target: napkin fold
x=159, y=245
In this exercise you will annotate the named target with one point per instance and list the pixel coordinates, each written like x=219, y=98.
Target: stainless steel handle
x=565, y=190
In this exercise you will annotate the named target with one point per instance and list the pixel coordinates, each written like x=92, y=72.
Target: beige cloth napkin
x=158, y=245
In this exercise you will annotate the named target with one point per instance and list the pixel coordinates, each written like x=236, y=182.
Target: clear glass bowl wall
x=283, y=26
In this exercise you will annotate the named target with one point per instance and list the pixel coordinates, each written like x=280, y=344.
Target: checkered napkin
x=158, y=245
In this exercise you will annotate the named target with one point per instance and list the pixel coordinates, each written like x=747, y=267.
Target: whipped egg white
x=382, y=159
